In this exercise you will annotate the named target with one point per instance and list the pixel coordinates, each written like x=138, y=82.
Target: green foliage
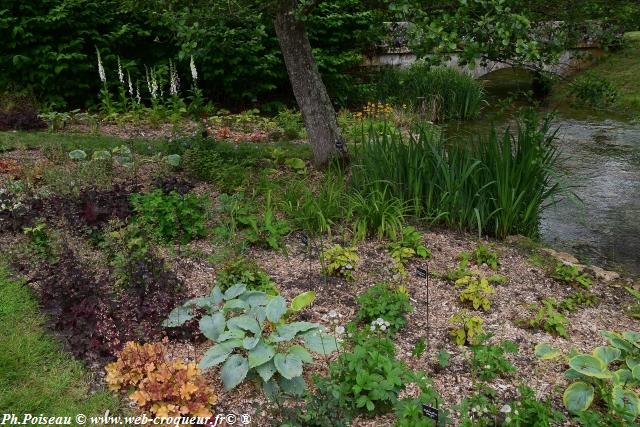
x=254, y=339
x=408, y=246
x=483, y=255
x=591, y=90
x=419, y=347
x=385, y=302
x=290, y=122
x=408, y=411
x=440, y=93
x=266, y=229
x=549, y=319
x=476, y=292
x=488, y=361
x=340, y=262
x=634, y=311
x=610, y=372
x=577, y=299
x=124, y=246
x=241, y=270
x=479, y=409
x=570, y=274
x=376, y=213
x=467, y=329
x=496, y=185
x=170, y=217
x=528, y=411
x=39, y=238
x=443, y=359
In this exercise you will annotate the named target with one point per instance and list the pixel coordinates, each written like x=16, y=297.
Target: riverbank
x=621, y=70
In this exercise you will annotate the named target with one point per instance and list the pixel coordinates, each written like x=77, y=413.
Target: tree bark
x=310, y=92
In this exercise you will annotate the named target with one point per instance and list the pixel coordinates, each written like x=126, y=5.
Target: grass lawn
x=621, y=69
x=36, y=376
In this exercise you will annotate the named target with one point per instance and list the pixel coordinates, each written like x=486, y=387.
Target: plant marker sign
x=424, y=274
x=430, y=412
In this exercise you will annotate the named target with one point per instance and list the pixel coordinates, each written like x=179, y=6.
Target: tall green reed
x=495, y=184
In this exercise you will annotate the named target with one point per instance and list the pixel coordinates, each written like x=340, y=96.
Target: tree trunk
x=310, y=92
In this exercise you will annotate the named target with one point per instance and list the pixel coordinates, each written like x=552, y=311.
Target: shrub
x=593, y=91
x=170, y=217
x=386, y=302
x=163, y=388
x=252, y=335
x=240, y=270
x=446, y=93
x=467, y=329
x=340, y=262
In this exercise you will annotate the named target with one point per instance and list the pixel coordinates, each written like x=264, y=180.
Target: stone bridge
x=570, y=61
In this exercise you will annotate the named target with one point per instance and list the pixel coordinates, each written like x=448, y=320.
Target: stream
x=599, y=220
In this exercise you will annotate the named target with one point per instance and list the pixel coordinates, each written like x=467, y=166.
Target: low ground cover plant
x=475, y=292
x=570, y=274
x=467, y=329
x=241, y=270
x=548, y=319
x=488, y=360
x=340, y=261
x=383, y=301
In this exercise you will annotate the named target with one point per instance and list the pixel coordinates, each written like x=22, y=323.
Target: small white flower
x=340, y=330
x=487, y=366
x=348, y=267
x=383, y=327
x=333, y=313
x=507, y=420
x=130, y=83
x=515, y=412
x=505, y=409
x=373, y=328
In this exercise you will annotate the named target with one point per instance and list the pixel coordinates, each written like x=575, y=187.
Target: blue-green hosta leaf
x=200, y=302
x=101, y=155
x=255, y=298
x=178, y=317
x=216, y=295
x=320, y=343
x=266, y=370
x=618, y=341
x=607, y=353
x=259, y=313
x=626, y=401
x=288, y=331
x=260, y=354
x=235, y=304
x=246, y=323
x=250, y=342
x=572, y=374
x=218, y=353
x=235, y=291
x=546, y=352
x=212, y=326
x=294, y=386
x=234, y=371
x=276, y=308
x=622, y=376
x=271, y=389
x=632, y=362
x=77, y=155
x=302, y=300
x=231, y=334
x=288, y=365
x=301, y=353
x=590, y=366
x=632, y=337
x=636, y=373
x=578, y=397
x=173, y=160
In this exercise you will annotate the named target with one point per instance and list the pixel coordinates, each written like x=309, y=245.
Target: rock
x=602, y=274
x=561, y=256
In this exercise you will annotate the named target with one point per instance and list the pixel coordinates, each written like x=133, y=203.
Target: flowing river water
x=599, y=220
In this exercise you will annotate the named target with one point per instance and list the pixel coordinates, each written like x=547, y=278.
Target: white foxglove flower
x=130, y=84
x=154, y=85
x=173, y=77
x=138, y=97
x=101, y=73
x=120, y=74
x=194, y=72
x=146, y=72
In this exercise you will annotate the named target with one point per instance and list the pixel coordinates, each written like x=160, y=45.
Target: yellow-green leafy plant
x=476, y=292
x=467, y=329
x=340, y=261
x=409, y=246
x=161, y=387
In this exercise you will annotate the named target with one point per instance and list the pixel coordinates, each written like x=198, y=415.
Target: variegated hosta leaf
x=578, y=397
x=607, y=353
x=546, y=352
x=590, y=366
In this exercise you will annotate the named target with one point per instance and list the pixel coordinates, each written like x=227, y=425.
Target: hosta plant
x=476, y=292
x=610, y=372
x=254, y=337
x=339, y=261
